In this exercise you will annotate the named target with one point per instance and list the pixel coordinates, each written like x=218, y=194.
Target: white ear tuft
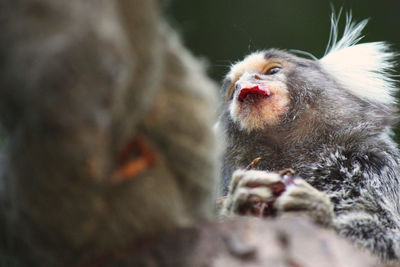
x=363, y=69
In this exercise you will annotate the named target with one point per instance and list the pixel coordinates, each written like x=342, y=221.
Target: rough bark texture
x=289, y=242
x=88, y=87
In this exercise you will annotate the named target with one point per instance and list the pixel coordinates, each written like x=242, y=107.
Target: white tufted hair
x=364, y=69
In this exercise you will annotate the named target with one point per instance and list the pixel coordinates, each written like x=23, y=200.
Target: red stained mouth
x=256, y=90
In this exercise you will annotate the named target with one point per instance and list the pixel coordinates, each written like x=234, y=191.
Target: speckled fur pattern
x=337, y=141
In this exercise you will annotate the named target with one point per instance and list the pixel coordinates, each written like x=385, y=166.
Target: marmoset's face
x=257, y=91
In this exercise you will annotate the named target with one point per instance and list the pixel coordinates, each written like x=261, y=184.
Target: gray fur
x=338, y=143
x=79, y=81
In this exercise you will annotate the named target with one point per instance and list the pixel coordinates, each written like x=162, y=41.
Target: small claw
x=254, y=162
x=288, y=176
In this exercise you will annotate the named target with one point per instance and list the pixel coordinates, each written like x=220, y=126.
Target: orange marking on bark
x=130, y=168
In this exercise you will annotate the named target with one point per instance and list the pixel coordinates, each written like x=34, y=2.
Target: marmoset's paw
x=254, y=192
x=302, y=198
x=265, y=194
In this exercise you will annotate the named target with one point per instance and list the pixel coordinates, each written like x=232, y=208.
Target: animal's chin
x=255, y=104
x=256, y=112
x=251, y=113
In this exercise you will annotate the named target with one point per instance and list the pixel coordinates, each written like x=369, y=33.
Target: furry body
x=333, y=130
x=97, y=76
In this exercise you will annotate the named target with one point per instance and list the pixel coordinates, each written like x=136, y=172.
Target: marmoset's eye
x=273, y=70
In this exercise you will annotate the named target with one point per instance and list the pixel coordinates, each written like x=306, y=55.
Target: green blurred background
x=223, y=31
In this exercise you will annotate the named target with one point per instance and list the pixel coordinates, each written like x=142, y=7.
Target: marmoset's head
x=275, y=90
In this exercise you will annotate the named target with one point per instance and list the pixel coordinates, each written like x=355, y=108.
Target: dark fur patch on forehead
x=280, y=54
x=275, y=53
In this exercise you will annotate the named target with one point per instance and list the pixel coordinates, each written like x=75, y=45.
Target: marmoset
x=329, y=121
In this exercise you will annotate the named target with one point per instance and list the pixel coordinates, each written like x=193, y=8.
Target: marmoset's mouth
x=255, y=90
